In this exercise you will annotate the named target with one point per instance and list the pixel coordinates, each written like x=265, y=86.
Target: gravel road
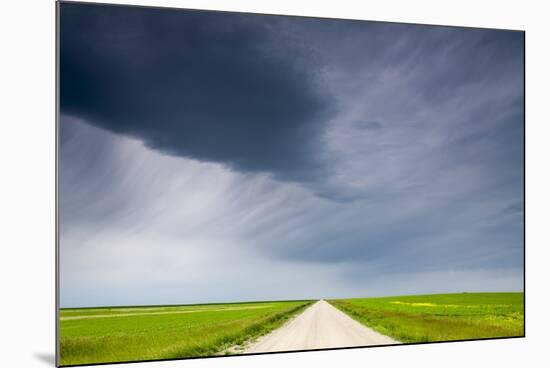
x=319, y=326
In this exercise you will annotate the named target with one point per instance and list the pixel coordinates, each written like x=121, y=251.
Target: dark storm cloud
x=197, y=84
x=394, y=156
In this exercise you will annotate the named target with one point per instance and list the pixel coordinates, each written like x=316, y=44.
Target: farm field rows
x=117, y=334
x=440, y=317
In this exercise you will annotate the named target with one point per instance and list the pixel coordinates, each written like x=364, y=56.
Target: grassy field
x=440, y=317
x=92, y=335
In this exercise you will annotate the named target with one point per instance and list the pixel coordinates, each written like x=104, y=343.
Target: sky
x=217, y=157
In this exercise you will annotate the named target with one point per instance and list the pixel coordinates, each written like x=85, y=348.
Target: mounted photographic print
x=233, y=183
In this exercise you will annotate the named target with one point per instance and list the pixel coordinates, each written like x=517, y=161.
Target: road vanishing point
x=320, y=326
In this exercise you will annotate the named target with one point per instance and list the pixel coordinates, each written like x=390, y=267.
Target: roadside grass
x=440, y=317
x=95, y=335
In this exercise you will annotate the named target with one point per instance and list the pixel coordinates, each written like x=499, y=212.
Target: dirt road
x=319, y=326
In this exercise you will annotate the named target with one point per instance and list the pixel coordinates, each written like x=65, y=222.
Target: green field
x=440, y=317
x=117, y=334
x=92, y=335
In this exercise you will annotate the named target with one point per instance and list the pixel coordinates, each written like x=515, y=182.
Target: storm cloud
x=293, y=157
x=211, y=86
